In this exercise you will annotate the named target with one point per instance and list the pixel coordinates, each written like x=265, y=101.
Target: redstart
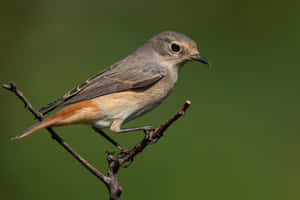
x=127, y=89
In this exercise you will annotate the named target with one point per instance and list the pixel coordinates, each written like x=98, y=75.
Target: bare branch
x=114, y=164
x=152, y=136
x=12, y=87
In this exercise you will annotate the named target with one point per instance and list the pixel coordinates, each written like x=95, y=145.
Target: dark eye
x=175, y=47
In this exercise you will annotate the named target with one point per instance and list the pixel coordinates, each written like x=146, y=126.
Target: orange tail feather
x=42, y=124
x=61, y=115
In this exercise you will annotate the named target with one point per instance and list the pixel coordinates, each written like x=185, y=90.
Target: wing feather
x=117, y=78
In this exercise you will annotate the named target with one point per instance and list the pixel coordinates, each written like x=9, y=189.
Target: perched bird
x=125, y=90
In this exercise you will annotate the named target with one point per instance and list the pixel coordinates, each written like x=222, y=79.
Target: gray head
x=175, y=47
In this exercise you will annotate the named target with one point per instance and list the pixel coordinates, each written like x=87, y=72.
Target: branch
x=114, y=164
x=12, y=87
x=152, y=137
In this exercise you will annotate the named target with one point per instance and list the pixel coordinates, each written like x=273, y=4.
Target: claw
x=148, y=130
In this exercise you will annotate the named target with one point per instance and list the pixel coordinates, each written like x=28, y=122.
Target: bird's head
x=176, y=48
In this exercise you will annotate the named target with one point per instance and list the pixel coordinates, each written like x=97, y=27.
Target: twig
x=12, y=87
x=111, y=180
x=152, y=136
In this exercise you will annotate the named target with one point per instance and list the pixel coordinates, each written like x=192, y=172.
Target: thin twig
x=153, y=136
x=111, y=180
x=12, y=87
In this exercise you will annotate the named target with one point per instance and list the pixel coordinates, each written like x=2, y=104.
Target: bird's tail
x=79, y=112
x=45, y=123
x=52, y=120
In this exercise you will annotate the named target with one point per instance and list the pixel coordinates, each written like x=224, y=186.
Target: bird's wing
x=119, y=77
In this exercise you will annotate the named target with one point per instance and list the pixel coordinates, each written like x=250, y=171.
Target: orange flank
x=82, y=112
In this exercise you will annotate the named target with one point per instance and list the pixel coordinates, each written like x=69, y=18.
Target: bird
x=125, y=90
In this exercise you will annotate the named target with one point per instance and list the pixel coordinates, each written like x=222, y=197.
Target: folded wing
x=120, y=77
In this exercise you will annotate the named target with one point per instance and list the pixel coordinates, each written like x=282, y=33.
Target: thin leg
x=117, y=123
x=110, y=139
x=142, y=128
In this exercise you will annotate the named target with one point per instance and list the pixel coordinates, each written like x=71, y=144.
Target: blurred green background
x=239, y=140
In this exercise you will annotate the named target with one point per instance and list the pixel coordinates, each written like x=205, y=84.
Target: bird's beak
x=199, y=58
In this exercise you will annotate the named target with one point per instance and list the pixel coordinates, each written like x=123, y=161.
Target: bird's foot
x=148, y=129
x=149, y=134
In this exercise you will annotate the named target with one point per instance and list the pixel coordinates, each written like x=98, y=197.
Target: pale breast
x=130, y=104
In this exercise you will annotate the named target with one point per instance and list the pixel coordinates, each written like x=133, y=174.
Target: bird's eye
x=175, y=47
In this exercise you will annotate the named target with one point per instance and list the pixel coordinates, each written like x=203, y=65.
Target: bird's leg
x=110, y=139
x=142, y=128
x=116, y=127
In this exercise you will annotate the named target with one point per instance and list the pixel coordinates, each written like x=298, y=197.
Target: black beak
x=199, y=58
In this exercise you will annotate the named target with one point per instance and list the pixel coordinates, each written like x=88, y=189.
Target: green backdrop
x=239, y=140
